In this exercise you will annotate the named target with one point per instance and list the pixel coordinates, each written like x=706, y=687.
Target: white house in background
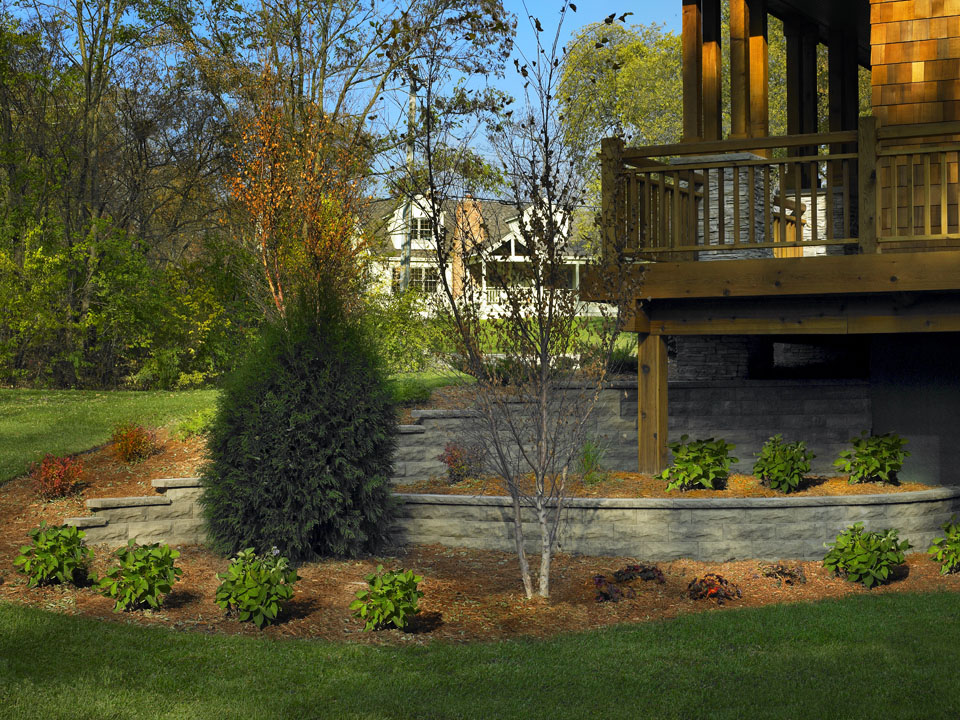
x=494, y=223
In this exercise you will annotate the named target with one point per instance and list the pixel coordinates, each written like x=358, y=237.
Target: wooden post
x=759, y=75
x=692, y=40
x=867, y=191
x=792, y=36
x=611, y=150
x=739, y=68
x=712, y=64
x=652, y=403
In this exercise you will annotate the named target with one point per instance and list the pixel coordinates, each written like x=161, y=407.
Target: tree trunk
x=521, y=552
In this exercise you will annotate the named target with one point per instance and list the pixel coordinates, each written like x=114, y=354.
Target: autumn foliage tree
x=300, y=190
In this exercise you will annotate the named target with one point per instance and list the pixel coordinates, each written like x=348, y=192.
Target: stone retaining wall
x=823, y=413
x=173, y=516
x=655, y=529
x=652, y=529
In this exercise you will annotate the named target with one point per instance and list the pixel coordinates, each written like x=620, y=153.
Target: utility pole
x=408, y=210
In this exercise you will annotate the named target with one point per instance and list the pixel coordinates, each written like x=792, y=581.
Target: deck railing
x=864, y=190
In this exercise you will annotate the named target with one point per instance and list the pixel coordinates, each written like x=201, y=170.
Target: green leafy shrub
x=405, y=336
x=57, y=477
x=133, y=443
x=142, y=575
x=698, y=463
x=462, y=461
x=863, y=556
x=873, y=458
x=57, y=555
x=782, y=465
x=196, y=425
x=946, y=550
x=391, y=599
x=301, y=447
x=590, y=462
x=409, y=391
x=255, y=587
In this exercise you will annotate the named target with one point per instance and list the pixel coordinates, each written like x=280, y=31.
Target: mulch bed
x=635, y=485
x=470, y=595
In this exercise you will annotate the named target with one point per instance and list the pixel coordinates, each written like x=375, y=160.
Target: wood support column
x=692, y=41
x=843, y=92
x=844, y=85
x=652, y=403
x=712, y=68
x=759, y=74
x=739, y=68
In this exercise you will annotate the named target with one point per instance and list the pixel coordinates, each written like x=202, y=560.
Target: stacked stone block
x=173, y=516
x=655, y=529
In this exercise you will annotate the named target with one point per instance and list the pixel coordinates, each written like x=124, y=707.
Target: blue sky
x=666, y=12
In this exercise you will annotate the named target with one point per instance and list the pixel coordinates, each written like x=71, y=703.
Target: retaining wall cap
x=82, y=522
x=410, y=429
x=106, y=503
x=917, y=496
x=191, y=482
x=443, y=413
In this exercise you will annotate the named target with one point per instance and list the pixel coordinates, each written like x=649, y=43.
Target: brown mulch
x=635, y=485
x=470, y=595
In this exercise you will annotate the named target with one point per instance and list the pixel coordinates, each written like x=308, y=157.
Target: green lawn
x=35, y=422
x=876, y=656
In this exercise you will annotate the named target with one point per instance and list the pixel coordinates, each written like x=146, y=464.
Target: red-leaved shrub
x=133, y=443
x=462, y=461
x=57, y=477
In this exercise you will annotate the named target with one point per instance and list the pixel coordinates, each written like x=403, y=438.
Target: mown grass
x=877, y=656
x=35, y=422
x=411, y=388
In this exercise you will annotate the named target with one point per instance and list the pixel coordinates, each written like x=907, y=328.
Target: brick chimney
x=468, y=233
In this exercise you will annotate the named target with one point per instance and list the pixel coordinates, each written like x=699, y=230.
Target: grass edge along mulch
x=873, y=655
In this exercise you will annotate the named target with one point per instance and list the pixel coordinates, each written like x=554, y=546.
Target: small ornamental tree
x=301, y=448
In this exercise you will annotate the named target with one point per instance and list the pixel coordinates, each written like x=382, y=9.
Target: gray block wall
x=655, y=529
x=173, y=516
x=823, y=413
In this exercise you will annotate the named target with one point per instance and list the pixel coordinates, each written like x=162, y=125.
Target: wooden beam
x=739, y=68
x=791, y=34
x=759, y=75
x=692, y=43
x=712, y=68
x=808, y=80
x=652, y=403
x=830, y=275
x=867, y=184
x=611, y=149
x=643, y=154
x=854, y=315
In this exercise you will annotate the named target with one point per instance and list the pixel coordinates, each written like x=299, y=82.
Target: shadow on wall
x=915, y=392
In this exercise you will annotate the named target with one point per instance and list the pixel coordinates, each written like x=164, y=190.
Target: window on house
x=422, y=278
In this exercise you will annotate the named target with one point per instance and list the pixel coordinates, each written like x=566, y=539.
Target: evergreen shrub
x=301, y=447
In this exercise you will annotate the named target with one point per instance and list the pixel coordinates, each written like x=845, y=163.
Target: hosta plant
x=873, y=458
x=946, y=550
x=782, y=465
x=865, y=557
x=143, y=574
x=255, y=587
x=698, y=464
x=391, y=599
x=57, y=555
